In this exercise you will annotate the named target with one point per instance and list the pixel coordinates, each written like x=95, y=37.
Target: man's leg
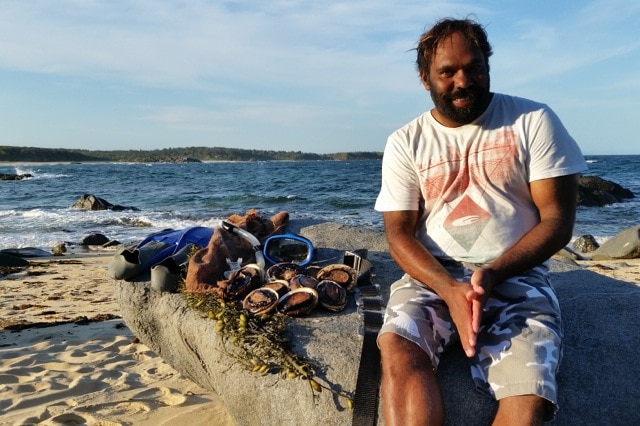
x=520, y=349
x=410, y=392
x=526, y=410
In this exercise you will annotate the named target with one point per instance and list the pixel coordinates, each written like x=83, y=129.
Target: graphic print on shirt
x=464, y=176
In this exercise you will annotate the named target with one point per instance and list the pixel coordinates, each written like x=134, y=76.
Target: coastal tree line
x=189, y=154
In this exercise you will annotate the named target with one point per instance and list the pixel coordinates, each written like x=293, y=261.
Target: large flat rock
x=598, y=378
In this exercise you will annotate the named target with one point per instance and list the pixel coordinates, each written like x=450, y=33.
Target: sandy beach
x=66, y=357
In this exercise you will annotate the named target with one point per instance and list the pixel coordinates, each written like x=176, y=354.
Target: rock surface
x=96, y=239
x=598, y=379
x=91, y=202
x=625, y=245
x=6, y=176
x=585, y=244
x=593, y=191
x=11, y=261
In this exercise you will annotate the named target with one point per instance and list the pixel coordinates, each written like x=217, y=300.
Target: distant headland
x=169, y=155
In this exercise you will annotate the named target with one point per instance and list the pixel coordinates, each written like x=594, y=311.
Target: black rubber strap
x=365, y=401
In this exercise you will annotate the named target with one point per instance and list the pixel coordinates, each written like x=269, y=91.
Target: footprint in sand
x=165, y=396
x=76, y=419
x=115, y=409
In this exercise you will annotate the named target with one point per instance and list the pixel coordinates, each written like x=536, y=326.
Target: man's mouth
x=462, y=102
x=462, y=98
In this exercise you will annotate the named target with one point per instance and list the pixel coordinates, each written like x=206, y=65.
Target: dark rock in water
x=4, y=176
x=625, y=245
x=585, y=244
x=94, y=240
x=594, y=191
x=188, y=341
x=91, y=202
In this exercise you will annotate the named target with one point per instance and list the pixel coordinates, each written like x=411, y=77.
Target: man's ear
x=424, y=79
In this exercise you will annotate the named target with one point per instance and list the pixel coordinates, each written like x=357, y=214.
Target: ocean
x=36, y=212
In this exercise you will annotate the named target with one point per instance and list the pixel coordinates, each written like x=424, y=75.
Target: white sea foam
x=39, y=175
x=45, y=228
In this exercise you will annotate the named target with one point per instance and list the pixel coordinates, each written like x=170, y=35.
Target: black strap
x=365, y=401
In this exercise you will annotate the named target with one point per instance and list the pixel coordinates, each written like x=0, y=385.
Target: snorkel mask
x=288, y=248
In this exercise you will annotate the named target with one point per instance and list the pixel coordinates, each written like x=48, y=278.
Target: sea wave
x=37, y=212
x=36, y=174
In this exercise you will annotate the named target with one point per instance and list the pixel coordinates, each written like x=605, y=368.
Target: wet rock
x=593, y=191
x=5, y=176
x=91, y=202
x=95, y=240
x=585, y=244
x=59, y=249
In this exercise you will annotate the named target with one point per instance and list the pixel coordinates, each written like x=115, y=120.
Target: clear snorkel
x=255, y=244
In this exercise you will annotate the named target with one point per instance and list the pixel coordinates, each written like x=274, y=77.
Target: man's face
x=458, y=81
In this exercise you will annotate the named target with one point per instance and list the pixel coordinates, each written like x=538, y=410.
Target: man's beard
x=479, y=97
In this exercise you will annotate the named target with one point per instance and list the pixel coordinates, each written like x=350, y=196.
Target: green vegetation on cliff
x=193, y=154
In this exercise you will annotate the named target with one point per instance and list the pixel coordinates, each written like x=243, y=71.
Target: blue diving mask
x=288, y=248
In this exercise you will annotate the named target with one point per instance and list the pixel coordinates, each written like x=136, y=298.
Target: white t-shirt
x=471, y=183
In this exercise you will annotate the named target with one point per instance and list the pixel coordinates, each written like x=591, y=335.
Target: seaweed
x=258, y=342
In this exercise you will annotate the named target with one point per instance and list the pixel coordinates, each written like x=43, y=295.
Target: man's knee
x=397, y=351
x=527, y=409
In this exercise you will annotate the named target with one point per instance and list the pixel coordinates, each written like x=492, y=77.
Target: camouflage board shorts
x=519, y=342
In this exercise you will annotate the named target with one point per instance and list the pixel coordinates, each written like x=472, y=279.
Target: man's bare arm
x=555, y=200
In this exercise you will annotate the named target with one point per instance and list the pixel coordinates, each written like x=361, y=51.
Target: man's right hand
x=465, y=308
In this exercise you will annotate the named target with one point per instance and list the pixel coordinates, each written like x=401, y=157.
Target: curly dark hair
x=473, y=32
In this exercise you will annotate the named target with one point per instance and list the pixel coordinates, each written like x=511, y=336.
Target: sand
x=76, y=362
x=67, y=358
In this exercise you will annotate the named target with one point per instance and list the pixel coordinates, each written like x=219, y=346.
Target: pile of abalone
x=598, y=378
x=290, y=289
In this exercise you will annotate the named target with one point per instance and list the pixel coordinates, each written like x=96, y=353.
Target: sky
x=317, y=76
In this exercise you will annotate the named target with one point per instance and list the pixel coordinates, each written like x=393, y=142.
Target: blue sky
x=293, y=75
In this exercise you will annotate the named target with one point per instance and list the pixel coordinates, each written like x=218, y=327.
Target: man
x=476, y=195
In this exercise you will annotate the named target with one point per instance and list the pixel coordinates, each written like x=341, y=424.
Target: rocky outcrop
x=91, y=202
x=5, y=176
x=593, y=191
x=625, y=245
x=600, y=342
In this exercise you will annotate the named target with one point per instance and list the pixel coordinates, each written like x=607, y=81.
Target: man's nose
x=462, y=79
